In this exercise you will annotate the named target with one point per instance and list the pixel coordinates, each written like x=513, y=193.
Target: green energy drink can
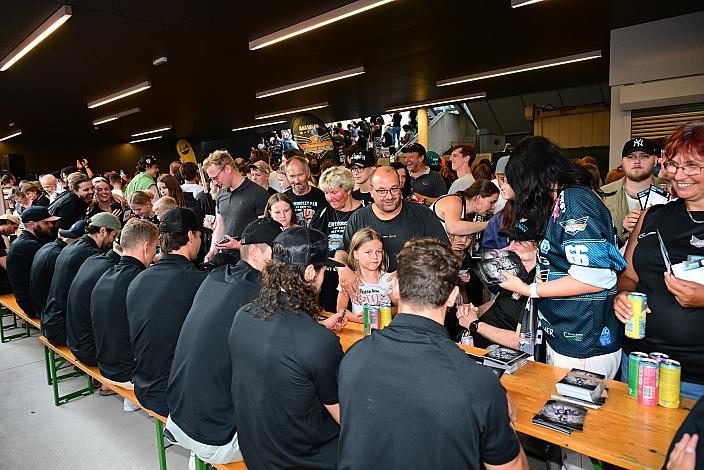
x=669, y=387
x=633, y=359
x=372, y=319
x=635, y=326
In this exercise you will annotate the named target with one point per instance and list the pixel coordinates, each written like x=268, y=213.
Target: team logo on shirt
x=574, y=226
x=605, y=337
x=696, y=243
x=545, y=246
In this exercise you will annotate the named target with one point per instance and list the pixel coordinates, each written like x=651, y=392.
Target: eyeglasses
x=357, y=169
x=215, y=178
x=642, y=157
x=395, y=191
x=689, y=169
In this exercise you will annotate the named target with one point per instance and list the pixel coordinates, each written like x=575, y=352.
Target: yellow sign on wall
x=185, y=151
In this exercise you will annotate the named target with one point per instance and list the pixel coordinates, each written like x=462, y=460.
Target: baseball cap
x=501, y=165
x=37, y=214
x=432, y=158
x=521, y=232
x=415, y=147
x=180, y=220
x=11, y=218
x=362, y=158
x=77, y=230
x=104, y=219
x=261, y=165
x=303, y=246
x=639, y=144
x=264, y=230
x=146, y=161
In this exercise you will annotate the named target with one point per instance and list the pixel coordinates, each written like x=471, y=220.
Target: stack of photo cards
x=560, y=416
x=690, y=270
x=503, y=357
x=582, y=387
x=653, y=196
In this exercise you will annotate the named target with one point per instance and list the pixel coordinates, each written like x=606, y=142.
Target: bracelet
x=534, y=291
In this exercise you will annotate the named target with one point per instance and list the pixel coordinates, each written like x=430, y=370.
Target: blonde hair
x=165, y=204
x=136, y=232
x=141, y=197
x=360, y=238
x=336, y=177
x=219, y=158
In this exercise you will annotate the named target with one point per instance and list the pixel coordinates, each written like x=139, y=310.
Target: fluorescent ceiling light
x=143, y=140
x=16, y=133
x=312, y=82
x=264, y=124
x=522, y=3
x=437, y=102
x=521, y=68
x=291, y=111
x=38, y=35
x=120, y=94
x=321, y=20
x=114, y=117
x=166, y=128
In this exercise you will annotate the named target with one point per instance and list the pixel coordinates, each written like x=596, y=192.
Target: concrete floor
x=86, y=433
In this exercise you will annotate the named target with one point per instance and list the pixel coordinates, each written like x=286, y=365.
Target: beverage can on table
x=372, y=319
x=648, y=371
x=633, y=359
x=635, y=326
x=658, y=356
x=385, y=315
x=669, y=388
x=467, y=339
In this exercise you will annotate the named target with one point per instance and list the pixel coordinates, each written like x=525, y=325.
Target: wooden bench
x=13, y=310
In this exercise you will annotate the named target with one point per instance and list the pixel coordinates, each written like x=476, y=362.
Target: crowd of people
x=204, y=289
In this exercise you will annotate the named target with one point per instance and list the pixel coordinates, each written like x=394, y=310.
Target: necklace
x=341, y=219
x=693, y=219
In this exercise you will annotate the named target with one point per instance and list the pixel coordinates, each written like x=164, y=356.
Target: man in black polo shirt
x=45, y=262
x=71, y=205
x=99, y=235
x=410, y=398
x=427, y=185
x=306, y=199
x=38, y=230
x=238, y=202
x=202, y=417
x=8, y=227
x=284, y=363
x=158, y=301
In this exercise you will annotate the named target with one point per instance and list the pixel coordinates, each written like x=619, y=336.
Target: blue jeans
x=396, y=136
x=687, y=389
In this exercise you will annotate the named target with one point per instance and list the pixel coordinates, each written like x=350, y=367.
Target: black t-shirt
x=158, y=301
x=693, y=424
x=67, y=264
x=307, y=205
x=108, y=308
x=366, y=198
x=79, y=329
x=4, y=281
x=19, y=264
x=670, y=328
x=396, y=119
x=410, y=398
x=240, y=206
x=280, y=414
x=69, y=207
x=414, y=221
x=429, y=185
x=43, y=271
x=204, y=412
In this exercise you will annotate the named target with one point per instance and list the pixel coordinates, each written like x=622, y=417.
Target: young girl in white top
x=368, y=259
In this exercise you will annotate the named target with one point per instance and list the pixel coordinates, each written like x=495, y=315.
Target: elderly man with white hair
x=48, y=183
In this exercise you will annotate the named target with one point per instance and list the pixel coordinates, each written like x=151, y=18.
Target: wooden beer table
x=621, y=432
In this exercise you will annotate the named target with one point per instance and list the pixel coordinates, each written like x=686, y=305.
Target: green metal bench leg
x=46, y=365
x=4, y=338
x=200, y=465
x=57, y=364
x=160, y=447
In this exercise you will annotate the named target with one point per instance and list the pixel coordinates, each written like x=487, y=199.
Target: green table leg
x=160, y=449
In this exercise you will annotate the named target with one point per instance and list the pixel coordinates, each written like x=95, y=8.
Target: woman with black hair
x=404, y=178
x=577, y=261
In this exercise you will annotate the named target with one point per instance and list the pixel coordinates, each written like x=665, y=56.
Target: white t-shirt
x=192, y=188
x=462, y=183
x=633, y=203
x=378, y=294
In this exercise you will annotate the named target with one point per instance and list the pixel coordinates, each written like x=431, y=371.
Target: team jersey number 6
x=577, y=254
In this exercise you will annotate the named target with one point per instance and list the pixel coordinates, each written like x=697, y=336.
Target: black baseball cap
x=264, y=230
x=180, y=220
x=303, y=246
x=38, y=214
x=77, y=230
x=414, y=148
x=363, y=159
x=521, y=232
x=640, y=144
x=147, y=161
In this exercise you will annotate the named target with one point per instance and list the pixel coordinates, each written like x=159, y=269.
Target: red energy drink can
x=648, y=372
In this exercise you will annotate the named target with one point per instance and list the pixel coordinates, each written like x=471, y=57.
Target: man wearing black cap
x=284, y=363
x=202, y=418
x=427, y=185
x=45, y=262
x=71, y=205
x=362, y=164
x=38, y=230
x=145, y=180
x=99, y=235
x=158, y=301
x=621, y=196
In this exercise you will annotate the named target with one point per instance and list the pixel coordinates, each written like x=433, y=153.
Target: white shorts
x=227, y=453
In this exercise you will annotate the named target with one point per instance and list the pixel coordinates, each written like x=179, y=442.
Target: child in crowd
x=369, y=260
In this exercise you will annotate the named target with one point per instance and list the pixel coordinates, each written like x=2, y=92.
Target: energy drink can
x=648, y=371
x=371, y=319
x=658, y=356
x=385, y=313
x=635, y=326
x=633, y=359
x=467, y=339
x=669, y=389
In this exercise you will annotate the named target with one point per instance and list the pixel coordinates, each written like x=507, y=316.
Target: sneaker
x=129, y=406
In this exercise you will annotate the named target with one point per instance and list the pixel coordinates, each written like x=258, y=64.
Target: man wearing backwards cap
x=621, y=196
x=289, y=415
x=99, y=235
x=201, y=418
x=158, y=301
x=38, y=228
x=8, y=226
x=362, y=164
x=145, y=180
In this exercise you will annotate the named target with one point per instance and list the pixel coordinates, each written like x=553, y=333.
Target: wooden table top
x=621, y=432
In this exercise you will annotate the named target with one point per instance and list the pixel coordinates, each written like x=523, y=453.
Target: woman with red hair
x=675, y=325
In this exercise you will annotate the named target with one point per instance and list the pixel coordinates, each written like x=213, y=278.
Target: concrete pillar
x=423, y=127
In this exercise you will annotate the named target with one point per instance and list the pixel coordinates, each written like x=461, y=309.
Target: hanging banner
x=185, y=151
x=311, y=134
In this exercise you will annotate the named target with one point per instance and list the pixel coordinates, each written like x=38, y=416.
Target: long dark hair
x=483, y=188
x=298, y=294
x=537, y=168
x=406, y=191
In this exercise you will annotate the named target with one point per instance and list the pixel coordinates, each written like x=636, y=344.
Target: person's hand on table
x=230, y=244
x=466, y=314
x=689, y=294
x=349, y=282
x=514, y=284
x=335, y=322
x=684, y=454
x=357, y=318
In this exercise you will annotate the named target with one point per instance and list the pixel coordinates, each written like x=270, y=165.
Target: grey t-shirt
x=240, y=206
x=460, y=184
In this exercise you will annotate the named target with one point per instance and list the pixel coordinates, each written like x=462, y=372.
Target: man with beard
x=306, y=199
x=621, y=196
x=70, y=206
x=38, y=227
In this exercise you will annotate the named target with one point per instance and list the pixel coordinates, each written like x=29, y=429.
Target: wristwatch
x=473, y=327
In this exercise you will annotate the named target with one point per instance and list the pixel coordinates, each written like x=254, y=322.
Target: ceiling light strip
x=145, y=139
x=337, y=14
x=312, y=82
x=153, y=131
x=114, y=117
x=59, y=17
x=291, y=111
x=264, y=124
x=7, y=137
x=437, y=102
x=120, y=94
x=521, y=68
x=522, y=3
